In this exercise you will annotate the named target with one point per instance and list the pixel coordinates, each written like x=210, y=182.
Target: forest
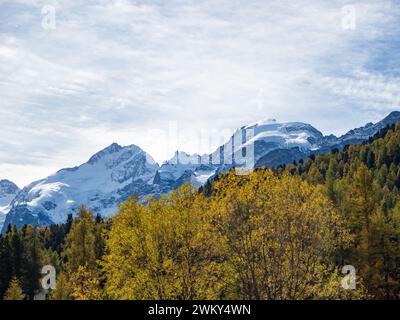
x=280, y=233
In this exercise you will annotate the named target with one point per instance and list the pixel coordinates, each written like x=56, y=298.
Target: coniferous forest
x=281, y=233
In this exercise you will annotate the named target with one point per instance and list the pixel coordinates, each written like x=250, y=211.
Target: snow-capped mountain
x=183, y=168
x=115, y=173
x=363, y=133
x=281, y=143
x=108, y=178
x=304, y=139
x=8, y=191
x=271, y=144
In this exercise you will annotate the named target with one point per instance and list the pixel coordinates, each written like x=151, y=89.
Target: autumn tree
x=14, y=291
x=83, y=250
x=165, y=250
x=280, y=235
x=62, y=290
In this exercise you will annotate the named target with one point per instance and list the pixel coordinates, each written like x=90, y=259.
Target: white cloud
x=113, y=69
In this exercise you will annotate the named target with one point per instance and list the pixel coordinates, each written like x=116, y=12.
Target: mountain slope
x=321, y=144
x=108, y=178
x=8, y=191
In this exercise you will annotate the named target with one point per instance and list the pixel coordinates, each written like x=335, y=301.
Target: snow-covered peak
x=181, y=157
x=110, y=175
x=394, y=116
x=7, y=188
x=261, y=123
x=8, y=191
x=185, y=168
x=363, y=133
x=113, y=151
x=114, y=164
x=288, y=130
x=269, y=135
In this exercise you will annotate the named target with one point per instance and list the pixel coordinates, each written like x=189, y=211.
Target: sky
x=78, y=75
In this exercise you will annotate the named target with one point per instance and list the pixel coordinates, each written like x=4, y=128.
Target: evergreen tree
x=30, y=261
x=80, y=246
x=330, y=180
x=84, y=246
x=5, y=264
x=62, y=290
x=14, y=291
x=16, y=249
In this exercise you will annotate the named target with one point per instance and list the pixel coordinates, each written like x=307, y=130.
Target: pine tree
x=384, y=252
x=84, y=247
x=14, y=291
x=330, y=184
x=5, y=265
x=16, y=249
x=62, y=290
x=30, y=261
x=80, y=246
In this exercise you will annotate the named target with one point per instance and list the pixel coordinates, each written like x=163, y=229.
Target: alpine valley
x=112, y=175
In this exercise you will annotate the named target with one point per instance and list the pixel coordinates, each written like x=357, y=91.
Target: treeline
x=284, y=233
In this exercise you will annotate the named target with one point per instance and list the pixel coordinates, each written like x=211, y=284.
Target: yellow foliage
x=258, y=237
x=85, y=284
x=279, y=233
x=164, y=250
x=14, y=291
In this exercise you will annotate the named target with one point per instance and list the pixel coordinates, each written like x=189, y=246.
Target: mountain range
x=115, y=173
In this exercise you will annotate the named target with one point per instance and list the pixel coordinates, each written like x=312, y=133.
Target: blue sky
x=129, y=71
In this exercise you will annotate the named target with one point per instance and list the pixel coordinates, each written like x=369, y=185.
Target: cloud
x=117, y=70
